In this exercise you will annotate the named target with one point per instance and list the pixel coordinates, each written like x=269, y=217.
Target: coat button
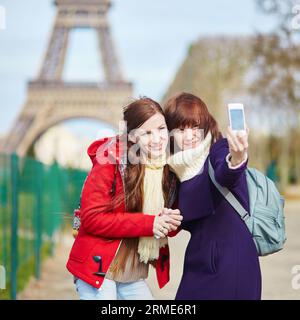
x=97, y=282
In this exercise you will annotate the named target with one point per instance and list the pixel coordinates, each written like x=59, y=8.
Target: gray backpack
x=266, y=218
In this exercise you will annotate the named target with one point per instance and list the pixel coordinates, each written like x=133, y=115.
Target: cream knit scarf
x=148, y=247
x=189, y=163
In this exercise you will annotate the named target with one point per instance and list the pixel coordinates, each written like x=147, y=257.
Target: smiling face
x=151, y=136
x=188, y=137
x=189, y=121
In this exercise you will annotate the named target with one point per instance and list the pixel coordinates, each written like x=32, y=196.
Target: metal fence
x=35, y=204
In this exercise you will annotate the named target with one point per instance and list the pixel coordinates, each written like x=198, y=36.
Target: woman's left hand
x=238, y=146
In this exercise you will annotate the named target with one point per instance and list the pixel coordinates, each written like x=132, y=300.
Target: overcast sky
x=152, y=38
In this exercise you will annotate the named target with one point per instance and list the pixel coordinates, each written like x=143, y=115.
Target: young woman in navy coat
x=221, y=261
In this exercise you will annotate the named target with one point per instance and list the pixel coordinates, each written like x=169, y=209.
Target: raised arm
x=229, y=158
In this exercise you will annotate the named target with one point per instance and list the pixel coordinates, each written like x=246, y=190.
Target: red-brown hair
x=185, y=110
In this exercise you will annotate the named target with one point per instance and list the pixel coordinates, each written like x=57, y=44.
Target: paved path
x=56, y=282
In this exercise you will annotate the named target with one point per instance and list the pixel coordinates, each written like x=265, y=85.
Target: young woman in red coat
x=121, y=229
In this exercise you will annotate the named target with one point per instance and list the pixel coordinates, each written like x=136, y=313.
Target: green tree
x=277, y=83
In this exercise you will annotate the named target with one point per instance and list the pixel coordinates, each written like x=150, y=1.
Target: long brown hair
x=187, y=110
x=135, y=115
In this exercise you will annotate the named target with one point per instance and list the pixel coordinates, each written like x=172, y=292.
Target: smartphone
x=237, y=117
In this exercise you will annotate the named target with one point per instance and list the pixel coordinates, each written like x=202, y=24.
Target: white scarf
x=148, y=247
x=189, y=163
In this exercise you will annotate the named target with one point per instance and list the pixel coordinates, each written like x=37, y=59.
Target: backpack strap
x=227, y=194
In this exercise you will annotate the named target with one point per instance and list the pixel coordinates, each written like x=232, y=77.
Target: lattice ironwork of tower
x=51, y=100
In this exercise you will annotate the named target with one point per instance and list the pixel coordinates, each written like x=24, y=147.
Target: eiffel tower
x=50, y=100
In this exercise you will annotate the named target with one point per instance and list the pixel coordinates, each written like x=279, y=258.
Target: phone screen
x=237, y=119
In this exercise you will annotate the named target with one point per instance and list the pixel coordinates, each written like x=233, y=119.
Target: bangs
x=185, y=110
x=187, y=114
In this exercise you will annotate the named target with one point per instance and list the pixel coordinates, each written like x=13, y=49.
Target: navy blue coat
x=221, y=261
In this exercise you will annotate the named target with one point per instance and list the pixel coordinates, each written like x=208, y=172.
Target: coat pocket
x=81, y=249
x=204, y=259
x=214, y=256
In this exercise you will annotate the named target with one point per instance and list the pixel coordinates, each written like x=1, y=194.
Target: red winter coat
x=100, y=233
